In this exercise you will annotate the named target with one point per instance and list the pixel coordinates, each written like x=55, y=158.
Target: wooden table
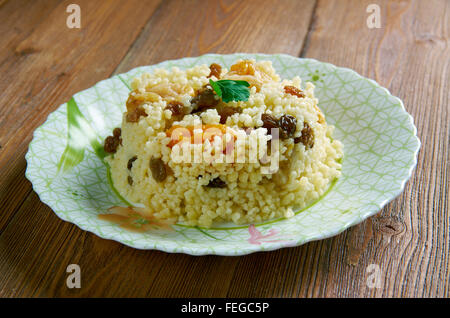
x=43, y=63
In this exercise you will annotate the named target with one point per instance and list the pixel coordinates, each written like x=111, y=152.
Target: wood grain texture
x=45, y=63
x=409, y=239
x=409, y=55
x=16, y=25
x=191, y=28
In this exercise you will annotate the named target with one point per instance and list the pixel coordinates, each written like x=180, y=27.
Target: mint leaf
x=230, y=90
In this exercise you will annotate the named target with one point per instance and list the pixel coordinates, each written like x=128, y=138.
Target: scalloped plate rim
x=256, y=248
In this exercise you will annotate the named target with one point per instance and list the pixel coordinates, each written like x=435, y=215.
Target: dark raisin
x=134, y=115
x=204, y=98
x=177, y=108
x=269, y=122
x=307, y=137
x=216, y=183
x=111, y=144
x=158, y=169
x=288, y=125
x=130, y=162
x=294, y=91
x=130, y=180
x=117, y=132
x=215, y=70
x=226, y=112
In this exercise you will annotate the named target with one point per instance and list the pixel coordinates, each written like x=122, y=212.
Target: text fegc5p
x=246, y=307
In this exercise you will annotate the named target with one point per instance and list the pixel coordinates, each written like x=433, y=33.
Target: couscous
x=208, y=145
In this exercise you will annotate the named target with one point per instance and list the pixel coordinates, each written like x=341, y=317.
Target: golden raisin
x=215, y=70
x=245, y=67
x=134, y=107
x=134, y=100
x=292, y=90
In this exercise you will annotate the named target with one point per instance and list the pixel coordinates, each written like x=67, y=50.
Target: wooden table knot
x=389, y=226
x=25, y=51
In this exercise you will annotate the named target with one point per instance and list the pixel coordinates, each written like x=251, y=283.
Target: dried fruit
x=177, y=108
x=216, y=183
x=130, y=180
x=226, y=112
x=117, y=132
x=204, y=98
x=111, y=144
x=215, y=70
x=244, y=67
x=134, y=100
x=269, y=122
x=134, y=115
x=288, y=125
x=158, y=169
x=130, y=162
x=292, y=90
x=134, y=107
x=307, y=137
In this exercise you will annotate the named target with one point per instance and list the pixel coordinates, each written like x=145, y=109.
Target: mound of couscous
x=208, y=145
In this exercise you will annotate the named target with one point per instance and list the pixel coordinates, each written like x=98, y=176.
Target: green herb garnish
x=230, y=90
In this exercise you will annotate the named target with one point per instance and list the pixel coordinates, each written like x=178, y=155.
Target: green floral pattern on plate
x=379, y=155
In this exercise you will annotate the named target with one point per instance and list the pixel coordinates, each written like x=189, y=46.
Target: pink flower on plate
x=257, y=238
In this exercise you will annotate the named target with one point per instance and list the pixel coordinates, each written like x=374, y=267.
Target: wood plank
x=108, y=268
x=46, y=63
x=409, y=55
x=17, y=25
x=409, y=240
x=256, y=26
